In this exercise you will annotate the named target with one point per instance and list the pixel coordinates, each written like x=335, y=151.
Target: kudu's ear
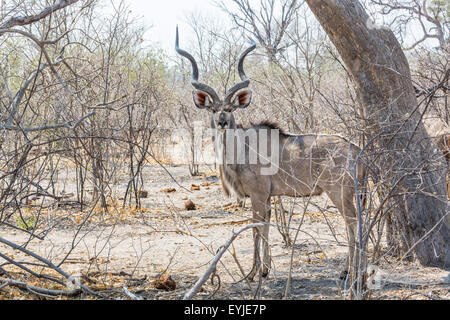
x=202, y=100
x=242, y=99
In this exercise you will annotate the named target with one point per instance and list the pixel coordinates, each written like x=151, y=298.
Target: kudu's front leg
x=265, y=238
x=261, y=213
x=256, y=256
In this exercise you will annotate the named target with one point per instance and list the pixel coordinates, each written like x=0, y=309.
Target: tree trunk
x=382, y=77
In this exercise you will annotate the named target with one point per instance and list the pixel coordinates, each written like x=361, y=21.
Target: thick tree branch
x=21, y=21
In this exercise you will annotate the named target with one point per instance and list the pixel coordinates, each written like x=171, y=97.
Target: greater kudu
x=443, y=142
x=308, y=164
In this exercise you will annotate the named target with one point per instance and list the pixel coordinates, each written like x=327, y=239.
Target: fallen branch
x=216, y=259
x=38, y=290
x=48, y=263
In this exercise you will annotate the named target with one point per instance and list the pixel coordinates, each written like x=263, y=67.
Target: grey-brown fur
x=309, y=165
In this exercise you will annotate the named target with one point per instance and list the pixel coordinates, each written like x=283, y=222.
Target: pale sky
x=164, y=15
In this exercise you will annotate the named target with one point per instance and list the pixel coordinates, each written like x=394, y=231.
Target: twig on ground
x=131, y=295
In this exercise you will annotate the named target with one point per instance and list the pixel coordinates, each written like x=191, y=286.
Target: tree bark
x=420, y=224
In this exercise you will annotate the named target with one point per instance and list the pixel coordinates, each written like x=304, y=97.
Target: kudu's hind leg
x=343, y=200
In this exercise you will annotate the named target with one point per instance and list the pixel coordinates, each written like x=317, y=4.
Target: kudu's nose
x=222, y=123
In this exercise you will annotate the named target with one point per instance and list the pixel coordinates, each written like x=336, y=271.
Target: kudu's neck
x=220, y=142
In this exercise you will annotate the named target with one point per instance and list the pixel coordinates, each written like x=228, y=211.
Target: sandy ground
x=134, y=248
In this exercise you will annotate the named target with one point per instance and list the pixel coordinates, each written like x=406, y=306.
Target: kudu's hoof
x=250, y=276
x=343, y=275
